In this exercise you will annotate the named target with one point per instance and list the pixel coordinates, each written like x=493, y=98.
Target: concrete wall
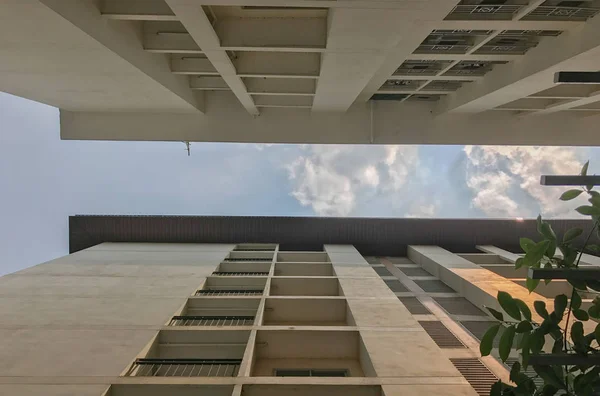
x=71, y=325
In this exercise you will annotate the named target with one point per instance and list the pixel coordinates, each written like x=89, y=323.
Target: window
x=311, y=372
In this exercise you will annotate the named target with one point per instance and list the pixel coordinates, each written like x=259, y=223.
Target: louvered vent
x=382, y=271
x=441, y=335
x=396, y=286
x=459, y=306
x=414, y=306
x=475, y=372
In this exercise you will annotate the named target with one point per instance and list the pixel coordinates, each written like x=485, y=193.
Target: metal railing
x=184, y=368
x=226, y=292
x=561, y=13
x=442, y=48
x=229, y=259
x=212, y=321
x=249, y=273
x=498, y=11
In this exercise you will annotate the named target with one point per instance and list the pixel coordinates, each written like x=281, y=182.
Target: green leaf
x=532, y=284
x=594, y=200
x=597, y=333
x=540, y=308
x=588, y=210
x=514, y=372
x=572, y=234
x=536, y=341
x=547, y=231
x=498, y=315
x=497, y=389
x=581, y=314
x=506, y=342
x=577, y=284
x=593, y=247
x=547, y=265
x=487, y=341
x=560, y=303
x=536, y=252
x=593, y=284
x=523, y=308
x=524, y=326
x=570, y=194
x=509, y=305
x=577, y=332
x=548, y=390
x=594, y=312
x=519, y=262
x=575, y=301
x=584, y=169
x=526, y=244
x=525, y=338
x=549, y=376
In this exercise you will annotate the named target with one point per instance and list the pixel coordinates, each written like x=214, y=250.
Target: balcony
x=306, y=312
x=232, y=286
x=303, y=269
x=312, y=390
x=232, y=268
x=303, y=257
x=499, y=11
x=214, y=312
x=169, y=390
x=192, y=354
x=255, y=247
x=295, y=286
x=249, y=256
x=308, y=352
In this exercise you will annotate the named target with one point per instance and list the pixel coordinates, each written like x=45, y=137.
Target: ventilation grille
x=459, y=306
x=382, y=271
x=480, y=378
x=441, y=335
x=396, y=286
x=414, y=306
x=397, y=97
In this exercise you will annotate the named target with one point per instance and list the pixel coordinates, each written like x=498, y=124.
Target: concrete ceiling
x=254, y=65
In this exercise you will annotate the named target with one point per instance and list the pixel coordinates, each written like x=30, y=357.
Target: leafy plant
x=563, y=327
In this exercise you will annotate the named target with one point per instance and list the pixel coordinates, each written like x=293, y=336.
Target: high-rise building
x=308, y=71
x=230, y=306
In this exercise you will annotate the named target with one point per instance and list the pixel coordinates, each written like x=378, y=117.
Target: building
x=157, y=306
x=308, y=71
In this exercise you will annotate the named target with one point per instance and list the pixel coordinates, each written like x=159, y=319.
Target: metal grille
x=382, y=271
x=251, y=292
x=414, y=306
x=402, y=84
x=434, y=286
x=534, y=33
x=442, y=48
x=425, y=98
x=442, y=86
x=396, y=285
x=253, y=250
x=462, y=32
x=500, y=11
x=223, y=273
x=459, y=306
x=381, y=96
x=184, y=368
x=248, y=259
x=212, y=321
x=441, y=335
x=561, y=13
x=472, y=68
x=475, y=372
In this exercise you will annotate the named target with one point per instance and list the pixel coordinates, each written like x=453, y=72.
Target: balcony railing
x=212, y=321
x=499, y=11
x=230, y=259
x=250, y=273
x=442, y=48
x=561, y=13
x=229, y=292
x=184, y=368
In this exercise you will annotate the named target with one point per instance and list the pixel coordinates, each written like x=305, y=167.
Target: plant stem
x=565, y=342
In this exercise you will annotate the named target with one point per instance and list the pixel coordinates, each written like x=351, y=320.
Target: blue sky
x=44, y=180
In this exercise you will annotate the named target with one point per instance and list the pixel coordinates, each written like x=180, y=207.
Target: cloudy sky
x=43, y=180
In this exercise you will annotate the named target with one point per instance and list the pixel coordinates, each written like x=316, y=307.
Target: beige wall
x=82, y=318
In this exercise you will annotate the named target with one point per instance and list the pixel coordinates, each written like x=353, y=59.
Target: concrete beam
x=279, y=34
x=280, y=86
x=578, y=50
x=209, y=84
x=171, y=43
x=289, y=101
x=188, y=65
x=196, y=22
x=137, y=10
x=123, y=40
x=563, y=105
x=418, y=77
x=281, y=65
x=384, y=122
x=457, y=57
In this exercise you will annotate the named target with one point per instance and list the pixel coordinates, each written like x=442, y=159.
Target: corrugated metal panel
x=374, y=237
x=382, y=271
x=414, y=306
x=459, y=306
x=475, y=372
x=434, y=286
x=416, y=271
x=441, y=335
x=396, y=286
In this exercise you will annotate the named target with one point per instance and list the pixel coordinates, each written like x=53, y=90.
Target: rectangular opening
x=257, y=256
x=303, y=257
x=244, y=267
x=303, y=269
x=306, y=312
x=255, y=247
x=298, y=247
x=305, y=286
x=235, y=283
x=181, y=353
x=301, y=350
x=312, y=390
x=217, y=312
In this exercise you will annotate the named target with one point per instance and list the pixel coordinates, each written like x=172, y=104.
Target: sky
x=43, y=180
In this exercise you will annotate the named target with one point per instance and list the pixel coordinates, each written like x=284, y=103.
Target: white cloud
x=334, y=179
x=506, y=180
x=423, y=210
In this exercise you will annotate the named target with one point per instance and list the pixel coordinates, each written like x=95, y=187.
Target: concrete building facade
x=155, y=319
x=308, y=71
